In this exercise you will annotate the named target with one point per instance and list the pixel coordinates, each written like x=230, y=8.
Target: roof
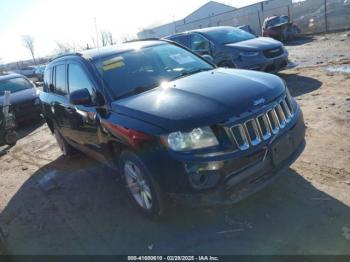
x=202, y=30
x=9, y=76
x=96, y=53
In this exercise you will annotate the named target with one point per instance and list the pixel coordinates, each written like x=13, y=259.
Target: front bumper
x=262, y=63
x=278, y=156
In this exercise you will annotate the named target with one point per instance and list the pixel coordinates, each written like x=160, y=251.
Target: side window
x=47, y=80
x=199, y=43
x=77, y=79
x=182, y=40
x=60, y=80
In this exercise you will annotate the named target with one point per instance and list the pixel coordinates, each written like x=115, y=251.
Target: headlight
x=249, y=53
x=195, y=139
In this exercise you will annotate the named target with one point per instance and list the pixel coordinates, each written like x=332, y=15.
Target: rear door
x=59, y=102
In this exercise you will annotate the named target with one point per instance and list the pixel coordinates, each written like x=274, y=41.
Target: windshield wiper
x=137, y=90
x=191, y=72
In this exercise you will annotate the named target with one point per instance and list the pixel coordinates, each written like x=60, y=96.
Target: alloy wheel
x=137, y=185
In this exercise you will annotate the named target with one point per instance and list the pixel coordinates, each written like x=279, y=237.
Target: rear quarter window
x=182, y=40
x=47, y=80
x=60, y=80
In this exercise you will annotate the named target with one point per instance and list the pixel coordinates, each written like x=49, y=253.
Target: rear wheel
x=11, y=138
x=66, y=148
x=3, y=249
x=143, y=191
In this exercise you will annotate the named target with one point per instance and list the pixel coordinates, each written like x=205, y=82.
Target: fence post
x=325, y=16
x=260, y=27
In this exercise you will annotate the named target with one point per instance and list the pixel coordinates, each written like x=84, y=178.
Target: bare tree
x=66, y=47
x=28, y=42
x=127, y=37
x=107, y=38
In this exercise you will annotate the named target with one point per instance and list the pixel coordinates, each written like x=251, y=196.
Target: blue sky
x=12, y=9
x=72, y=21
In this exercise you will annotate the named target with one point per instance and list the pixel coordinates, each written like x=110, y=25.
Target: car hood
x=21, y=96
x=260, y=43
x=201, y=99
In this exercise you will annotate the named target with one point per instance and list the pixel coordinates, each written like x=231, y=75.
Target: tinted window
x=199, y=42
x=60, y=82
x=182, y=40
x=148, y=67
x=228, y=35
x=77, y=79
x=47, y=80
x=277, y=21
x=14, y=85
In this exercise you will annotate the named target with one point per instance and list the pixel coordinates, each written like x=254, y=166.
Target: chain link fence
x=311, y=16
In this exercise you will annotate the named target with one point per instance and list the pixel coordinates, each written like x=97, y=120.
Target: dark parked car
x=25, y=102
x=26, y=71
x=280, y=28
x=232, y=47
x=172, y=123
x=39, y=72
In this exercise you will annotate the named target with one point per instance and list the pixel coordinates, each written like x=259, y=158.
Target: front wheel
x=143, y=191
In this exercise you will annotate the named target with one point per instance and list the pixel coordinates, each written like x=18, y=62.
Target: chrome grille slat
x=281, y=116
x=253, y=131
x=274, y=123
x=264, y=126
x=240, y=137
x=286, y=111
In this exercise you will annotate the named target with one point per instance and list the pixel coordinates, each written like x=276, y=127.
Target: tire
x=3, y=248
x=11, y=138
x=227, y=64
x=143, y=191
x=66, y=149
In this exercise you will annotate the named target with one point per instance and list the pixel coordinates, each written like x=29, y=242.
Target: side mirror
x=208, y=58
x=80, y=97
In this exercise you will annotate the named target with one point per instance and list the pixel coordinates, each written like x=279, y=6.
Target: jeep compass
x=173, y=125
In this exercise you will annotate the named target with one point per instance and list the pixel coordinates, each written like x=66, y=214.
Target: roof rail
x=63, y=55
x=144, y=39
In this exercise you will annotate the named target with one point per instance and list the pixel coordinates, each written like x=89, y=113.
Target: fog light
x=216, y=165
x=208, y=166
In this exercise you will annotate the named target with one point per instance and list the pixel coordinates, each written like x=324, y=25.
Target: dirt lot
x=53, y=205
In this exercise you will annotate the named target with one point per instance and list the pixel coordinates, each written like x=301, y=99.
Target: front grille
x=271, y=53
x=253, y=131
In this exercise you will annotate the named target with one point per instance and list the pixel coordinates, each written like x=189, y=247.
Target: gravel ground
x=53, y=205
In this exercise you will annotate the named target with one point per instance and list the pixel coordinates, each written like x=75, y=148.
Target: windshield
x=229, y=35
x=14, y=85
x=146, y=68
x=277, y=21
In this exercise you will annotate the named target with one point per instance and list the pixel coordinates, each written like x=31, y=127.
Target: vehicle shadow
x=300, y=85
x=299, y=41
x=77, y=206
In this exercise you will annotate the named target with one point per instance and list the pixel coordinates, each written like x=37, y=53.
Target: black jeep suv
x=173, y=125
